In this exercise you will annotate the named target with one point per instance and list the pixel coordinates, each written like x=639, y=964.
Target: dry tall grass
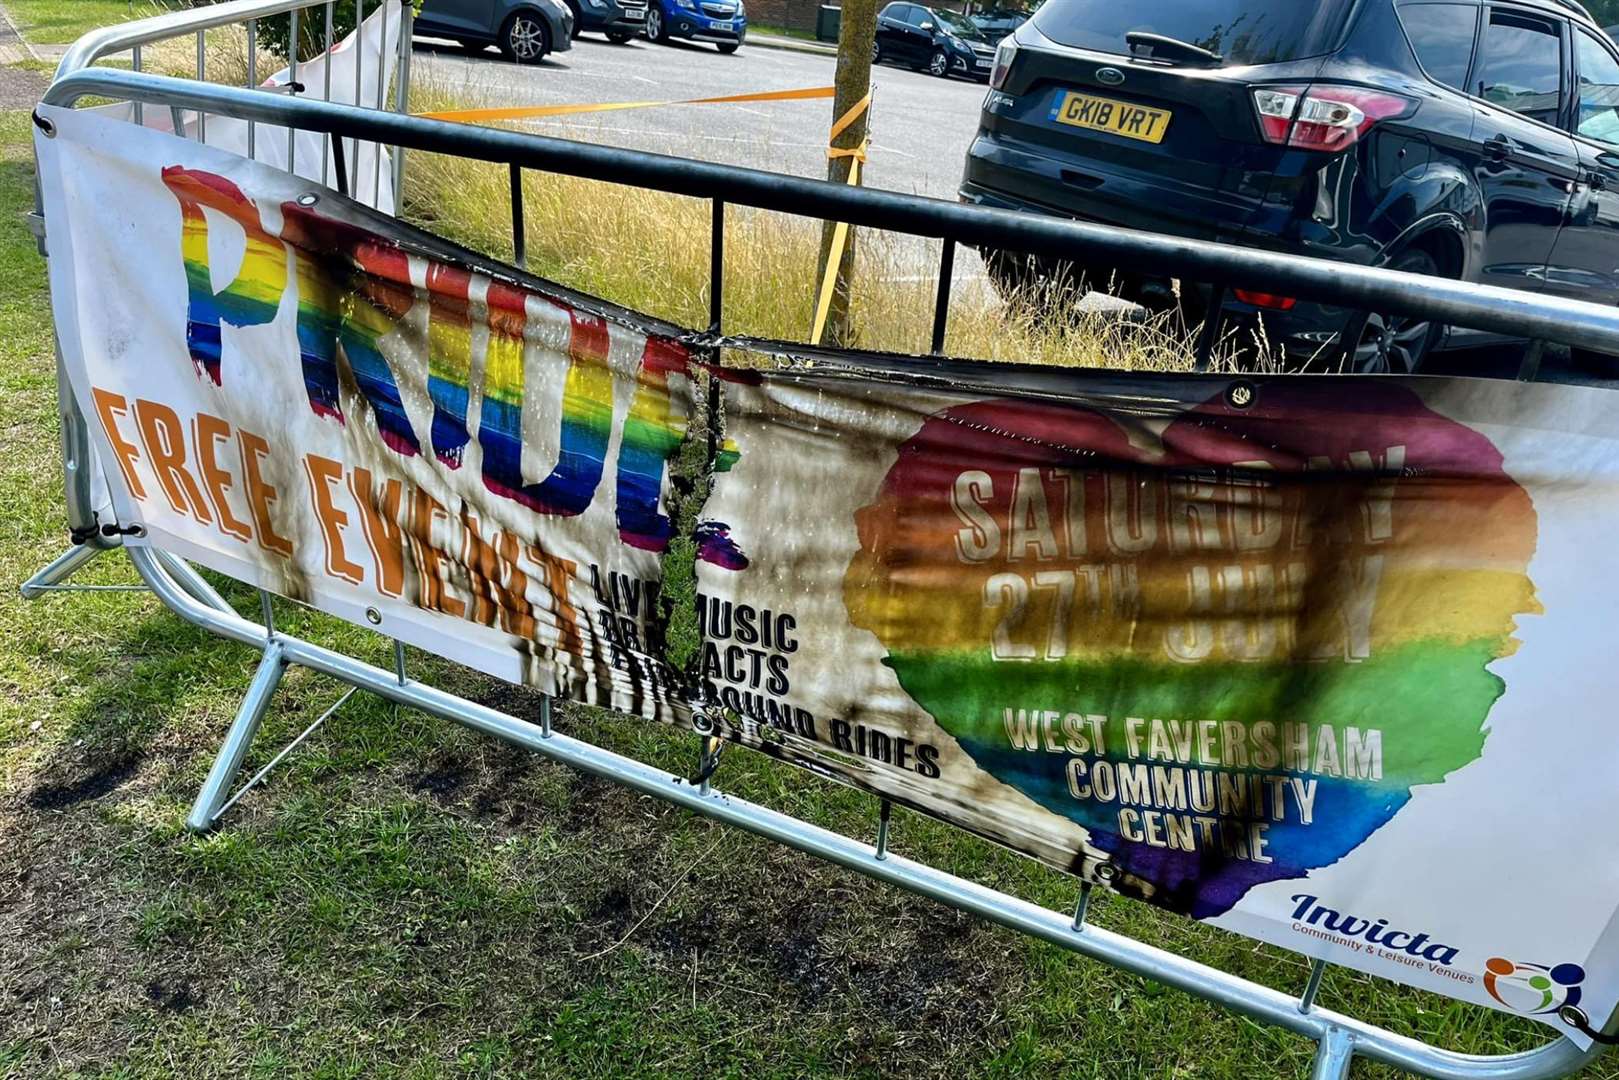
x=649, y=251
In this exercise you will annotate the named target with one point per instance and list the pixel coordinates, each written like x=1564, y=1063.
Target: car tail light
x=1266, y=300
x=1323, y=117
x=1004, y=52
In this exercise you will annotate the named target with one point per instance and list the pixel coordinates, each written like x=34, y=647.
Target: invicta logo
x=1311, y=918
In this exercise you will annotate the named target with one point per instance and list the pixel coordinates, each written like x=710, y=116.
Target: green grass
x=783, y=31
x=58, y=22
x=405, y=899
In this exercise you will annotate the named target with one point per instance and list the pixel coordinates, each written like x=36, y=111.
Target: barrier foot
x=61, y=568
x=1333, y=1056
x=211, y=800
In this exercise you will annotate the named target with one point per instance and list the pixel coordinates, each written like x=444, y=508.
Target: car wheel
x=876, y=51
x=939, y=63
x=654, y=24
x=618, y=37
x=1393, y=344
x=525, y=38
x=728, y=49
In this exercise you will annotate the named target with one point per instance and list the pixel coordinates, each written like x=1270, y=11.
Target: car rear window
x=1241, y=31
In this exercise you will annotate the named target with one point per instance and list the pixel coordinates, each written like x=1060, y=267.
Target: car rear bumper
x=614, y=18
x=1306, y=331
x=1022, y=174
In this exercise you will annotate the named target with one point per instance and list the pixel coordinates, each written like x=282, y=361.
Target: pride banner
x=1322, y=661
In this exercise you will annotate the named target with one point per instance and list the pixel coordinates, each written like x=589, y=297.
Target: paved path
x=921, y=125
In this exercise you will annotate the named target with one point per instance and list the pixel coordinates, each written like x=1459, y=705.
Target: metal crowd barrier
x=1339, y=1038
x=131, y=38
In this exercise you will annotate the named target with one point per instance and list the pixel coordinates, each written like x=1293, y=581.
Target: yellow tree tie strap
x=527, y=112
x=840, y=232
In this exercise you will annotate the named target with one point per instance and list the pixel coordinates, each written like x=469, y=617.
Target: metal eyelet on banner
x=1241, y=394
x=373, y=616
x=1575, y=1017
x=308, y=198
x=1106, y=873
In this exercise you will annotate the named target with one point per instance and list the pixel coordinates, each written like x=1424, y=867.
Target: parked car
x=996, y=23
x=620, y=20
x=722, y=22
x=941, y=41
x=1470, y=139
x=524, y=30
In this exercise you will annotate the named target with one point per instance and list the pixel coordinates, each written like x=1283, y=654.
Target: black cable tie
x=711, y=759
x=123, y=530
x=83, y=534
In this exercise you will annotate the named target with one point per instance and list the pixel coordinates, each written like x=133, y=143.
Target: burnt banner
x=1322, y=661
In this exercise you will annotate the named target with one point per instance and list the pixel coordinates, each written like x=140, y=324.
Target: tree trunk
x=853, y=79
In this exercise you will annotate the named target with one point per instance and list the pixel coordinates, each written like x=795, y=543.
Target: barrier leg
x=191, y=581
x=1334, y=1054
x=215, y=790
x=60, y=569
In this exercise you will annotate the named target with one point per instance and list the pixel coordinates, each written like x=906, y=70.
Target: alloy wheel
x=939, y=64
x=1392, y=345
x=654, y=23
x=527, y=38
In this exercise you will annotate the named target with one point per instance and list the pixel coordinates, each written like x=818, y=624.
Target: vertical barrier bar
x=326, y=95
x=545, y=717
x=292, y=84
x=252, y=76
x=202, y=76
x=941, y=302
x=339, y=165
x=359, y=83
x=140, y=109
x=883, y=815
x=1529, y=366
x=1083, y=906
x=519, y=245
x=1209, y=336
x=382, y=104
x=716, y=265
x=407, y=25
x=1312, y=986
x=399, y=661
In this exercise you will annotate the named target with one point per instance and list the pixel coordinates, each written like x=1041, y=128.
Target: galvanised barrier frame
x=1339, y=1038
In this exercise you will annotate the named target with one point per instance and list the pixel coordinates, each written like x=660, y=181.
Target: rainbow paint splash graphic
x=254, y=297
x=355, y=289
x=1230, y=651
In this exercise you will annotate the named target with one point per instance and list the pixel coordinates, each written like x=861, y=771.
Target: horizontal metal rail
x=1228, y=991
x=110, y=40
x=1483, y=307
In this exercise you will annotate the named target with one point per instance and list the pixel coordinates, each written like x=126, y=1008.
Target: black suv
x=1472, y=139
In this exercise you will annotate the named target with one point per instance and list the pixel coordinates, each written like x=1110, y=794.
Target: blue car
x=722, y=22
